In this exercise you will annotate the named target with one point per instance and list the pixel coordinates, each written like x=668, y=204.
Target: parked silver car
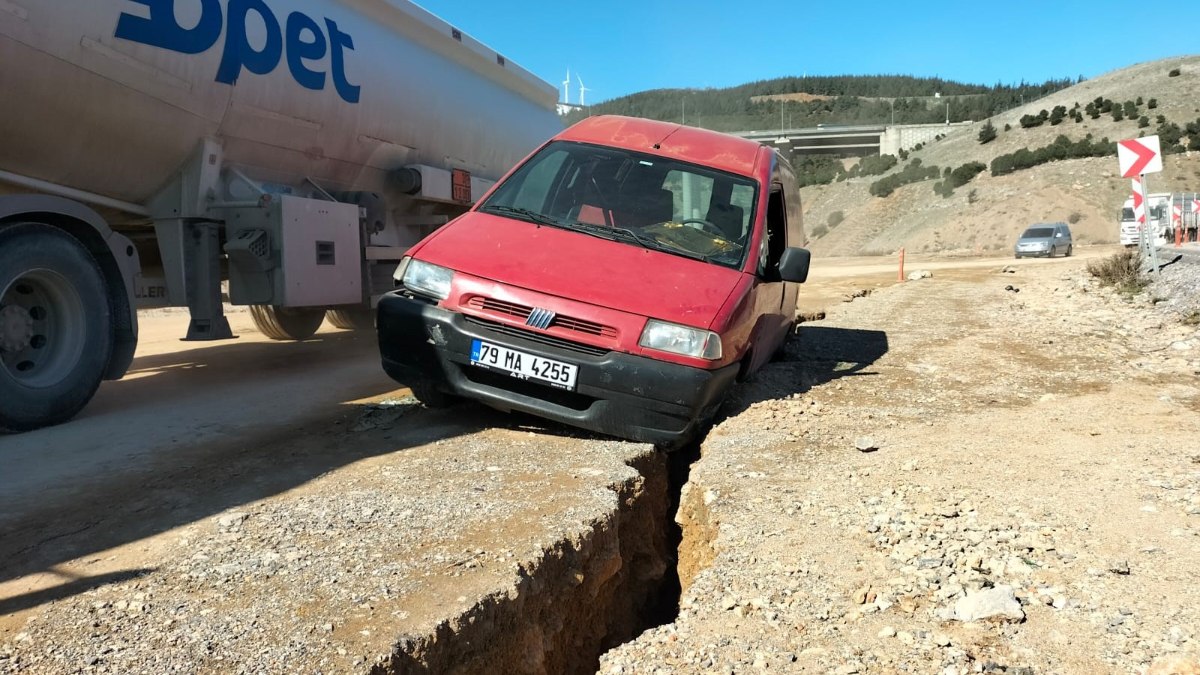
x=1044, y=239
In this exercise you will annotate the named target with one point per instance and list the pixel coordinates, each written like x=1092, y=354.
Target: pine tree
x=987, y=134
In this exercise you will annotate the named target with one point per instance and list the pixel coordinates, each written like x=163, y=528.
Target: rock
x=1012, y=289
x=941, y=639
x=1174, y=665
x=231, y=520
x=887, y=632
x=865, y=444
x=991, y=604
x=1008, y=269
x=920, y=274
x=1119, y=567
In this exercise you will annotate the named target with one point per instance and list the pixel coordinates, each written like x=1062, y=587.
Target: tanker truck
x=283, y=152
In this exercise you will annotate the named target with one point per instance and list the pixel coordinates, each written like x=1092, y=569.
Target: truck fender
x=115, y=254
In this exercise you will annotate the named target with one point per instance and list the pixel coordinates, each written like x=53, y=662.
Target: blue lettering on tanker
x=304, y=41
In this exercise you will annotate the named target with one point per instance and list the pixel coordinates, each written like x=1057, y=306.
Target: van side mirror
x=793, y=266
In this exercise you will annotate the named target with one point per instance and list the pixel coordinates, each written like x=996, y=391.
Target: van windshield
x=1038, y=233
x=642, y=200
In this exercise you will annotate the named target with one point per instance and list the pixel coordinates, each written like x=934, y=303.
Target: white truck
x=1158, y=216
x=151, y=150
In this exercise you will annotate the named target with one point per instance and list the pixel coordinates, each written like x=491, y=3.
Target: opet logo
x=301, y=39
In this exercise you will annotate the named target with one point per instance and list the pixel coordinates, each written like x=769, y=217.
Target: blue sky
x=621, y=46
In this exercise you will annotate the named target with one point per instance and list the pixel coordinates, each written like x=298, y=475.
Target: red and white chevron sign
x=1139, y=156
x=1139, y=209
x=1196, y=206
x=1177, y=213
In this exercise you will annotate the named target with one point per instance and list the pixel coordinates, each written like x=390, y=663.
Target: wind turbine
x=567, y=88
x=582, y=91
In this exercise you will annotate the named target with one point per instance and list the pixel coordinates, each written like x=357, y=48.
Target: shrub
x=1139, y=100
x=1130, y=109
x=1174, y=72
x=912, y=173
x=835, y=219
x=1057, y=115
x=987, y=134
x=1030, y=121
x=819, y=231
x=973, y=196
x=1062, y=148
x=1121, y=270
x=1143, y=122
x=1008, y=127
x=873, y=166
x=1075, y=217
x=1152, y=103
x=1117, y=115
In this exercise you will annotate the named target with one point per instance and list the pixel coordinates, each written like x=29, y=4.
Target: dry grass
x=1122, y=271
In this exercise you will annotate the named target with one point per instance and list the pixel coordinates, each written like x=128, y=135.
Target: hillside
x=809, y=101
x=989, y=213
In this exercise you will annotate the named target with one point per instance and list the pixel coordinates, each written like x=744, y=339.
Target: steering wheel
x=706, y=226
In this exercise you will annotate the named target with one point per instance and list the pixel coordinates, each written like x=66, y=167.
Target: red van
x=620, y=279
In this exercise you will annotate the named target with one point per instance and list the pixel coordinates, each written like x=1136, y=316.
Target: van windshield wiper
x=626, y=234
x=523, y=214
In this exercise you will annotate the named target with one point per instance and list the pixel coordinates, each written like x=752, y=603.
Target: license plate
x=524, y=366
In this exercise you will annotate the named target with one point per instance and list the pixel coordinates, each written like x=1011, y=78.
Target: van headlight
x=676, y=339
x=424, y=278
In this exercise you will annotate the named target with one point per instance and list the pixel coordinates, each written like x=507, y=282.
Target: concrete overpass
x=855, y=140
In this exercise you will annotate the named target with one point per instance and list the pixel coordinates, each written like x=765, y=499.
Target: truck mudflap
x=631, y=397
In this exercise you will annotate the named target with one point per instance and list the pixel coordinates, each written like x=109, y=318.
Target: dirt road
x=252, y=507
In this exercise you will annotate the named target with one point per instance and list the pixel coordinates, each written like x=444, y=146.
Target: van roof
x=688, y=144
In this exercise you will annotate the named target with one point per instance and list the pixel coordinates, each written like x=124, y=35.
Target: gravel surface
x=981, y=471
x=1030, y=503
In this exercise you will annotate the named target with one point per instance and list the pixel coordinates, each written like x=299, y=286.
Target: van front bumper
x=632, y=397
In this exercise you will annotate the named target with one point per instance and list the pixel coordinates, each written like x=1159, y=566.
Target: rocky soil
x=993, y=475
x=982, y=470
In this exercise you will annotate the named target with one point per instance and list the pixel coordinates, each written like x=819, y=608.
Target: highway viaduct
x=829, y=139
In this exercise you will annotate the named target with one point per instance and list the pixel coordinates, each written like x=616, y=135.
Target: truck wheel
x=55, y=326
x=287, y=323
x=355, y=318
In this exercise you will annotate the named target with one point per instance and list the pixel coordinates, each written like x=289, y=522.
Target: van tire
x=1069, y=248
x=430, y=396
x=56, y=323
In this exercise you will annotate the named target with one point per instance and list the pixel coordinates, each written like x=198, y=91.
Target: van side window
x=535, y=189
x=775, y=241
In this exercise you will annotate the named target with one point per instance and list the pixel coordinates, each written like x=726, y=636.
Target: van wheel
x=430, y=396
x=1053, y=251
x=55, y=326
x=1069, y=248
x=287, y=323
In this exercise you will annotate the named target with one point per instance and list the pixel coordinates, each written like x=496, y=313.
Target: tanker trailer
x=152, y=150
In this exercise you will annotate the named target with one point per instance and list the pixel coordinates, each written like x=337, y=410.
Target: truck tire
x=287, y=323
x=55, y=326
x=354, y=318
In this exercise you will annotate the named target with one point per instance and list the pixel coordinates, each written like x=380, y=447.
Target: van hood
x=582, y=267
